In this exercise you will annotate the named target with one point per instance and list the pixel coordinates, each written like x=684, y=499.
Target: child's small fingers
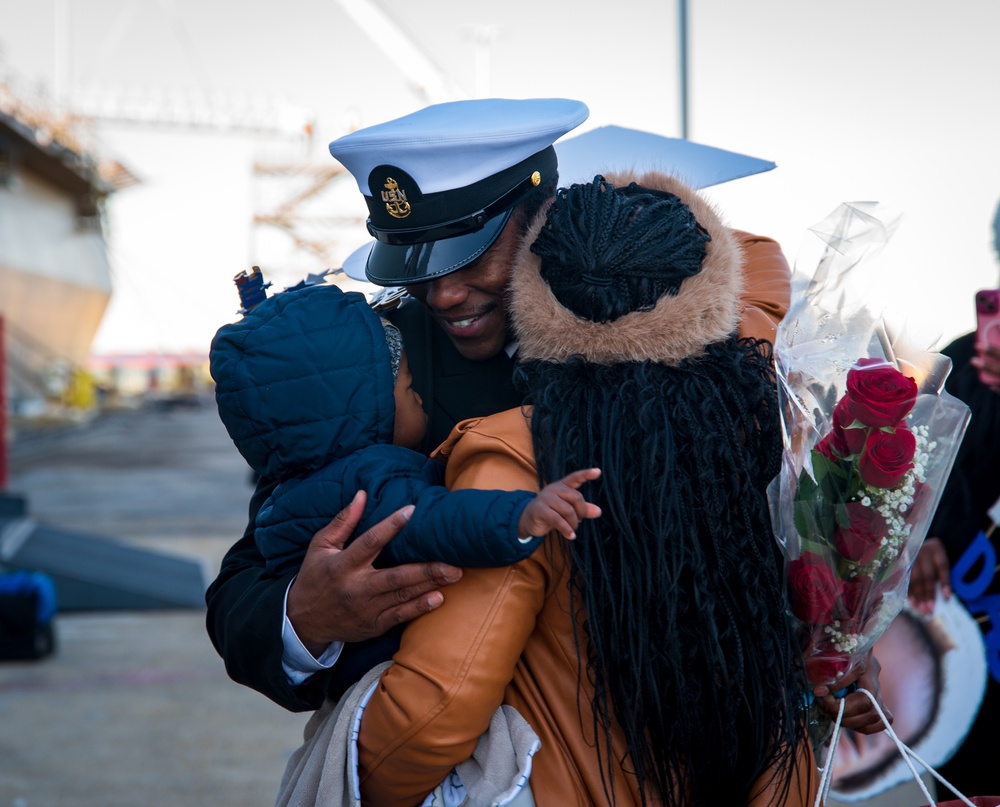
x=569, y=513
x=553, y=522
x=571, y=502
x=563, y=528
x=585, y=509
x=567, y=500
x=577, y=478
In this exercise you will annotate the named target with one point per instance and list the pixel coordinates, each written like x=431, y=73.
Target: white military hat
x=440, y=183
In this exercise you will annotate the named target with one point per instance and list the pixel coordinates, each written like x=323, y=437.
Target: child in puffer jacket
x=314, y=389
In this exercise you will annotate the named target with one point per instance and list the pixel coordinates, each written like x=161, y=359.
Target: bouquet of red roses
x=869, y=440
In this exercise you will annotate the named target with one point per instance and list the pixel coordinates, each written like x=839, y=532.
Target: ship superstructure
x=55, y=276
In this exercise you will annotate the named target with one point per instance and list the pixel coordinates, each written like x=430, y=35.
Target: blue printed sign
x=970, y=579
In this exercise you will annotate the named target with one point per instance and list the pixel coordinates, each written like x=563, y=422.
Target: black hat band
x=403, y=216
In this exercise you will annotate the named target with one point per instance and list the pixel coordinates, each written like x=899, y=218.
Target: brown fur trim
x=706, y=309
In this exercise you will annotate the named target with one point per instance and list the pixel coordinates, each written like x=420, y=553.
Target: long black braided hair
x=679, y=582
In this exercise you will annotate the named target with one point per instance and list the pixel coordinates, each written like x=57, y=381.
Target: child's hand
x=559, y=506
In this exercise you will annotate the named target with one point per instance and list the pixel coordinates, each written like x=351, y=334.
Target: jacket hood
x=304, y=378
x=705, y=309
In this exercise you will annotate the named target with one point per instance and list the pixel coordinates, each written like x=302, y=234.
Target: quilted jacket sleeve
x=469, y=528
x=466, y=528
x=454, y=663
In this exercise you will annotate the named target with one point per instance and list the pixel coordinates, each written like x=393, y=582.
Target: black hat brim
x=406, y=265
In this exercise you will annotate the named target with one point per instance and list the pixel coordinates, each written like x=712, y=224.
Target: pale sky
x=885, y=100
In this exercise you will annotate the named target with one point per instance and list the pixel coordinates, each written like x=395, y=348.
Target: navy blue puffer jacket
x=304, y=386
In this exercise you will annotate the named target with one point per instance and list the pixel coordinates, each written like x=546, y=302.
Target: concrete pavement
x=135, y=707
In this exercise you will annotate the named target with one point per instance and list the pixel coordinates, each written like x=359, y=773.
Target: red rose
x=860, y=539
x=860, y=602
x=813, y=589
x=879, y=395
x=831, y=448
x=852, y=440
x=826, y=669
x=887, y=457
x=859, y=594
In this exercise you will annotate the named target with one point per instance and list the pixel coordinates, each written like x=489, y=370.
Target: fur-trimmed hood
x=706, y=308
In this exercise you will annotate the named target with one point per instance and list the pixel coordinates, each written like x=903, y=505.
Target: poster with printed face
x=933, y=678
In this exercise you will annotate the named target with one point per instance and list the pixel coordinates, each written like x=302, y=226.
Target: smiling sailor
x=450, y=190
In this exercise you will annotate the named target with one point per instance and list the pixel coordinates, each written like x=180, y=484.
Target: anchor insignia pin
x=395, y=199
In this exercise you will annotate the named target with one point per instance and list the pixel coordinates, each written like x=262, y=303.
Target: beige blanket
x=322, y=772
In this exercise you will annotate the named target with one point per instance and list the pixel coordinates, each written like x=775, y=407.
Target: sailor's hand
x=339, y=596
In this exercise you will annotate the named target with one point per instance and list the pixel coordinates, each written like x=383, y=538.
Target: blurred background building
x=54, y=270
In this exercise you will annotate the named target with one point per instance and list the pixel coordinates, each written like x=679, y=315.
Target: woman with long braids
x=652, y=655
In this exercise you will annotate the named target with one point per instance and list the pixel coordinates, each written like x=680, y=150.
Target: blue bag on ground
x=27, y=609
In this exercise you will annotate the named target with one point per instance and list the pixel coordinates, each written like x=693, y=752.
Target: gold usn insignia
x=395, y=199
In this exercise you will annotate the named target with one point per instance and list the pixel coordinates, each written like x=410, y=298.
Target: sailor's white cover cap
x=441, y=182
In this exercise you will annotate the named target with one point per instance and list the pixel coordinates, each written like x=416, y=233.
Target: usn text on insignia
x=395, y=199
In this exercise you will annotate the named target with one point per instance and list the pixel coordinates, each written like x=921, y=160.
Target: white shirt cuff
x=297, y=662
